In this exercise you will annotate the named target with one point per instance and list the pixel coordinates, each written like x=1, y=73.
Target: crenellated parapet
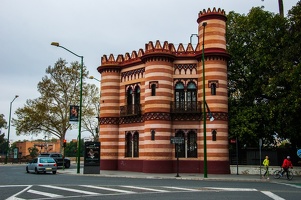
x=151, y=51
x=212, y=14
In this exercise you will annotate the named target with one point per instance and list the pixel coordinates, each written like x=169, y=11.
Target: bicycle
x=278, y=173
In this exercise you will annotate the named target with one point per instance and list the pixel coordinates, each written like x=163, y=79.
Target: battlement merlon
x=167, y=49
x=214, y=14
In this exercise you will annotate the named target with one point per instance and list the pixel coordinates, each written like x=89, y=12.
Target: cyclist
x=286, y=164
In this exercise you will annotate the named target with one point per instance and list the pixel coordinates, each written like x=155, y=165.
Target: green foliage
x=2, y=143
x=49, y=114
x=33, y=152
x=3, y=122
x=264, y=76
x=71, y=149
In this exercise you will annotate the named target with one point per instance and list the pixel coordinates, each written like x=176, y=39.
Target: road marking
x=44, y=193
x=179, y=188
x=69, y=189
x=291, y=185
x=14, y=196
x=109, y=189
x=272, y=195
x=233, y=189
x=143, y=188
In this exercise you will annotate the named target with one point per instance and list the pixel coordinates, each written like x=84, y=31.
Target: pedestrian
x=287, y=163
x=266, y=164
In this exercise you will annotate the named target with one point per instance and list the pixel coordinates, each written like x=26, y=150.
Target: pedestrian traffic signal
x=64, y=144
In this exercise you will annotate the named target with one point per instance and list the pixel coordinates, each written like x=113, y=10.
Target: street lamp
x=80, y=102
x=204, y=104
x=7, y=145
x=92, y=77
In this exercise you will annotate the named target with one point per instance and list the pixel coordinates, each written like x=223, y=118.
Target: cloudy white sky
x=90, y=28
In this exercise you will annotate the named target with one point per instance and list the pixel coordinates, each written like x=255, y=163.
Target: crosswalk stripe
x=179, y=188
x=43, y=193
x=272, y=195
x=69, y=189
x=143, y=188
x=109, y=189
x=232, y=189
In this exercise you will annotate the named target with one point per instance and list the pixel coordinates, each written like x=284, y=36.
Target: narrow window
x=137, y=100
x=213, y=135
x=128, y=145
x=191, y=97
x=213, y=88
x=191, y=145
x=153, y=87
x=153, y=132
x=129, y=101
x=180, y=148
x=136, y=144
x=179, y=96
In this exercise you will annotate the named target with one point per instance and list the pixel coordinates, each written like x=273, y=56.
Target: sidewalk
x=183, y=176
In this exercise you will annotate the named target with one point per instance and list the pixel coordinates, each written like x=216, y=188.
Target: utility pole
x=280, y=5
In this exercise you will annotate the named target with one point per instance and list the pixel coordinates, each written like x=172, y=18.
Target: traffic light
x=64, y=144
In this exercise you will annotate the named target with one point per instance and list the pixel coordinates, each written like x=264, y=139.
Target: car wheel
x=67, y=165
x=27, y=170
x=36, y=170
x=54, y=172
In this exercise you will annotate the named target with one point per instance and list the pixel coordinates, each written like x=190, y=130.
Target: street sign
x=176, y=140
x=299, y=153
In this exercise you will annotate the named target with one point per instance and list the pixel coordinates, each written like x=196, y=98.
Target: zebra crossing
x=34, y=192
x=31, y=192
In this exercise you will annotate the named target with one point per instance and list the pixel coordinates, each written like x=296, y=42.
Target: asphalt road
x=15, y=183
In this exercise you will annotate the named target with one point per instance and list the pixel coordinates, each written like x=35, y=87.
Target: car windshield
x=47, y=160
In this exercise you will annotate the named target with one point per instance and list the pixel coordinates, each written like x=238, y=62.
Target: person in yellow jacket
x=266, y=164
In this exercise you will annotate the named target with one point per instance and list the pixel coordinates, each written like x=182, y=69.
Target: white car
x=42, y=164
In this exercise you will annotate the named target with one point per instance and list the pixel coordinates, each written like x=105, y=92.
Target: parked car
x=42, y=164
x=59, y=159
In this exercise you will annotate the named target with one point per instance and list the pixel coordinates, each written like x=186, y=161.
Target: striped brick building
x=150, y=96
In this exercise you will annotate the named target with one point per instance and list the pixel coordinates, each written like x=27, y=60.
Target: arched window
x=136, y=144
x=136, y=100
x=129, y=96
x=191, y=96
x=179, y=96
x=128, y=145
x=137, y=95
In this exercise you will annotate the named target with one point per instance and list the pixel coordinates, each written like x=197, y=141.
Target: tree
x=255, y=42
x=2, y=140
x=50, y=112
x=90, y=120
x=3, y=122
x=33, y=152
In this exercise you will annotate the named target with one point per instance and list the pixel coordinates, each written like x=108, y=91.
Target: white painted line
x=291, y=185
x=143, y=188
x=14, y=196
x=272, y=195
x=109, y=189
x=232, y=189
x=43, y=193
x=69, y=189
x=185, y=189
x=2, y=186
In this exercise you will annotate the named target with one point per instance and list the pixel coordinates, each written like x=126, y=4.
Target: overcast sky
x=90, y=28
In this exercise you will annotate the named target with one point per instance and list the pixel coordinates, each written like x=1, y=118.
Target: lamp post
x=9, y=118
x=80, y=102
x=92, y=77
x=204, y=104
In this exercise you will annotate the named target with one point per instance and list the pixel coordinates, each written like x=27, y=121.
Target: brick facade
x=154, y=94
